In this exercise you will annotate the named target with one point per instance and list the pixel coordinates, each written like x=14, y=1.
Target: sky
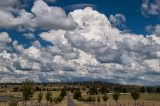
x=79, y=40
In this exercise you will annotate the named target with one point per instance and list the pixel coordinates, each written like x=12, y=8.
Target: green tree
x=105, y=98
x=51, y=100
x=40, y=97
x=77, y=94
x=158, y=89
x=27, y=90
x=103, y=90
x=93, y=91
x=48, y=96
x=142, y=89
x=93, y=99
x=63, y=93
x=98, y=99
x=116, y=95
x=135, y=95
x=57, y=100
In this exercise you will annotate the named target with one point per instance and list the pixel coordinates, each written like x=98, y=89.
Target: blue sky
x=57, y=40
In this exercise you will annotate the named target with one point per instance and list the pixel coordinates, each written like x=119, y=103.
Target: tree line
x=116, y=94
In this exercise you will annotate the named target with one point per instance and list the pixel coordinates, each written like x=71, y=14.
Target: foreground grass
x=143, y=96
x=33, y=99
x=125, y=100
x=148, y=99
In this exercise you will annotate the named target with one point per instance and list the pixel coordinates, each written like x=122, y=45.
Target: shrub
x=77, y=94
x=13, y=103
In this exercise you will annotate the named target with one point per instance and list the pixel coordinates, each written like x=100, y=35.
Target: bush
x=13, y=103
x=40, y=97
x=57, y=100
x=93, y=91
x=27, y=90
x=77, y=94
x=48, y=96
x=15, y=89
x=98, y=99
x=51, y=100
x=91, y=99
x=116, y=95
x=63, y=93
x=135, y=94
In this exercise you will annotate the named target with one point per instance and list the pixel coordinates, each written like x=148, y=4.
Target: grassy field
x=34, y=98
x=125, y=100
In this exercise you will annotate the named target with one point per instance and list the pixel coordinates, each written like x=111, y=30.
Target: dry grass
x=148, y=99
x=3, y=104
x=125, y=100
x=34, y=98
x=144, y=96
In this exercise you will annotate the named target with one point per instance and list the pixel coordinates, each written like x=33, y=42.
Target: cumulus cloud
x=10, y=5
x=42, y=16
x=157, y=30
x=51, y=17
x=150, y=7
x=153, y=29
x=117, y=20
x=4, y=40
x=9, y=20
x=29, y=35
x=93, y=50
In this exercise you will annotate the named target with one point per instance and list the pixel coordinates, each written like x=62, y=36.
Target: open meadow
x=145, y=99
x=124, y=100
x=82, y=94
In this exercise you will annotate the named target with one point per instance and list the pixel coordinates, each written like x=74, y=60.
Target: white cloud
x=94, y=50
x=10, y=5
x=42, y=16
x=54, y=36
x=149, y=29
x=29, y=35
x=4, y=40
x=51, y=17
x=153, y=29
x=117, y=20
x=9, y=20
x=150, y=7
x=157, y=30
x=8, y=2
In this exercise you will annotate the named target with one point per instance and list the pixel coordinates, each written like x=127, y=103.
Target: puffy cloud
x=93, y=50
x=4, y=40
x=29, y=35
x=42, y=16
x=150, y=7
x=54, y=36
x=153, y=29
x=149, y=29
x=157, y=30
x=117, y=20
x=51, y=17
x=8, y=2
x=10, y=5
x=9, y=20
